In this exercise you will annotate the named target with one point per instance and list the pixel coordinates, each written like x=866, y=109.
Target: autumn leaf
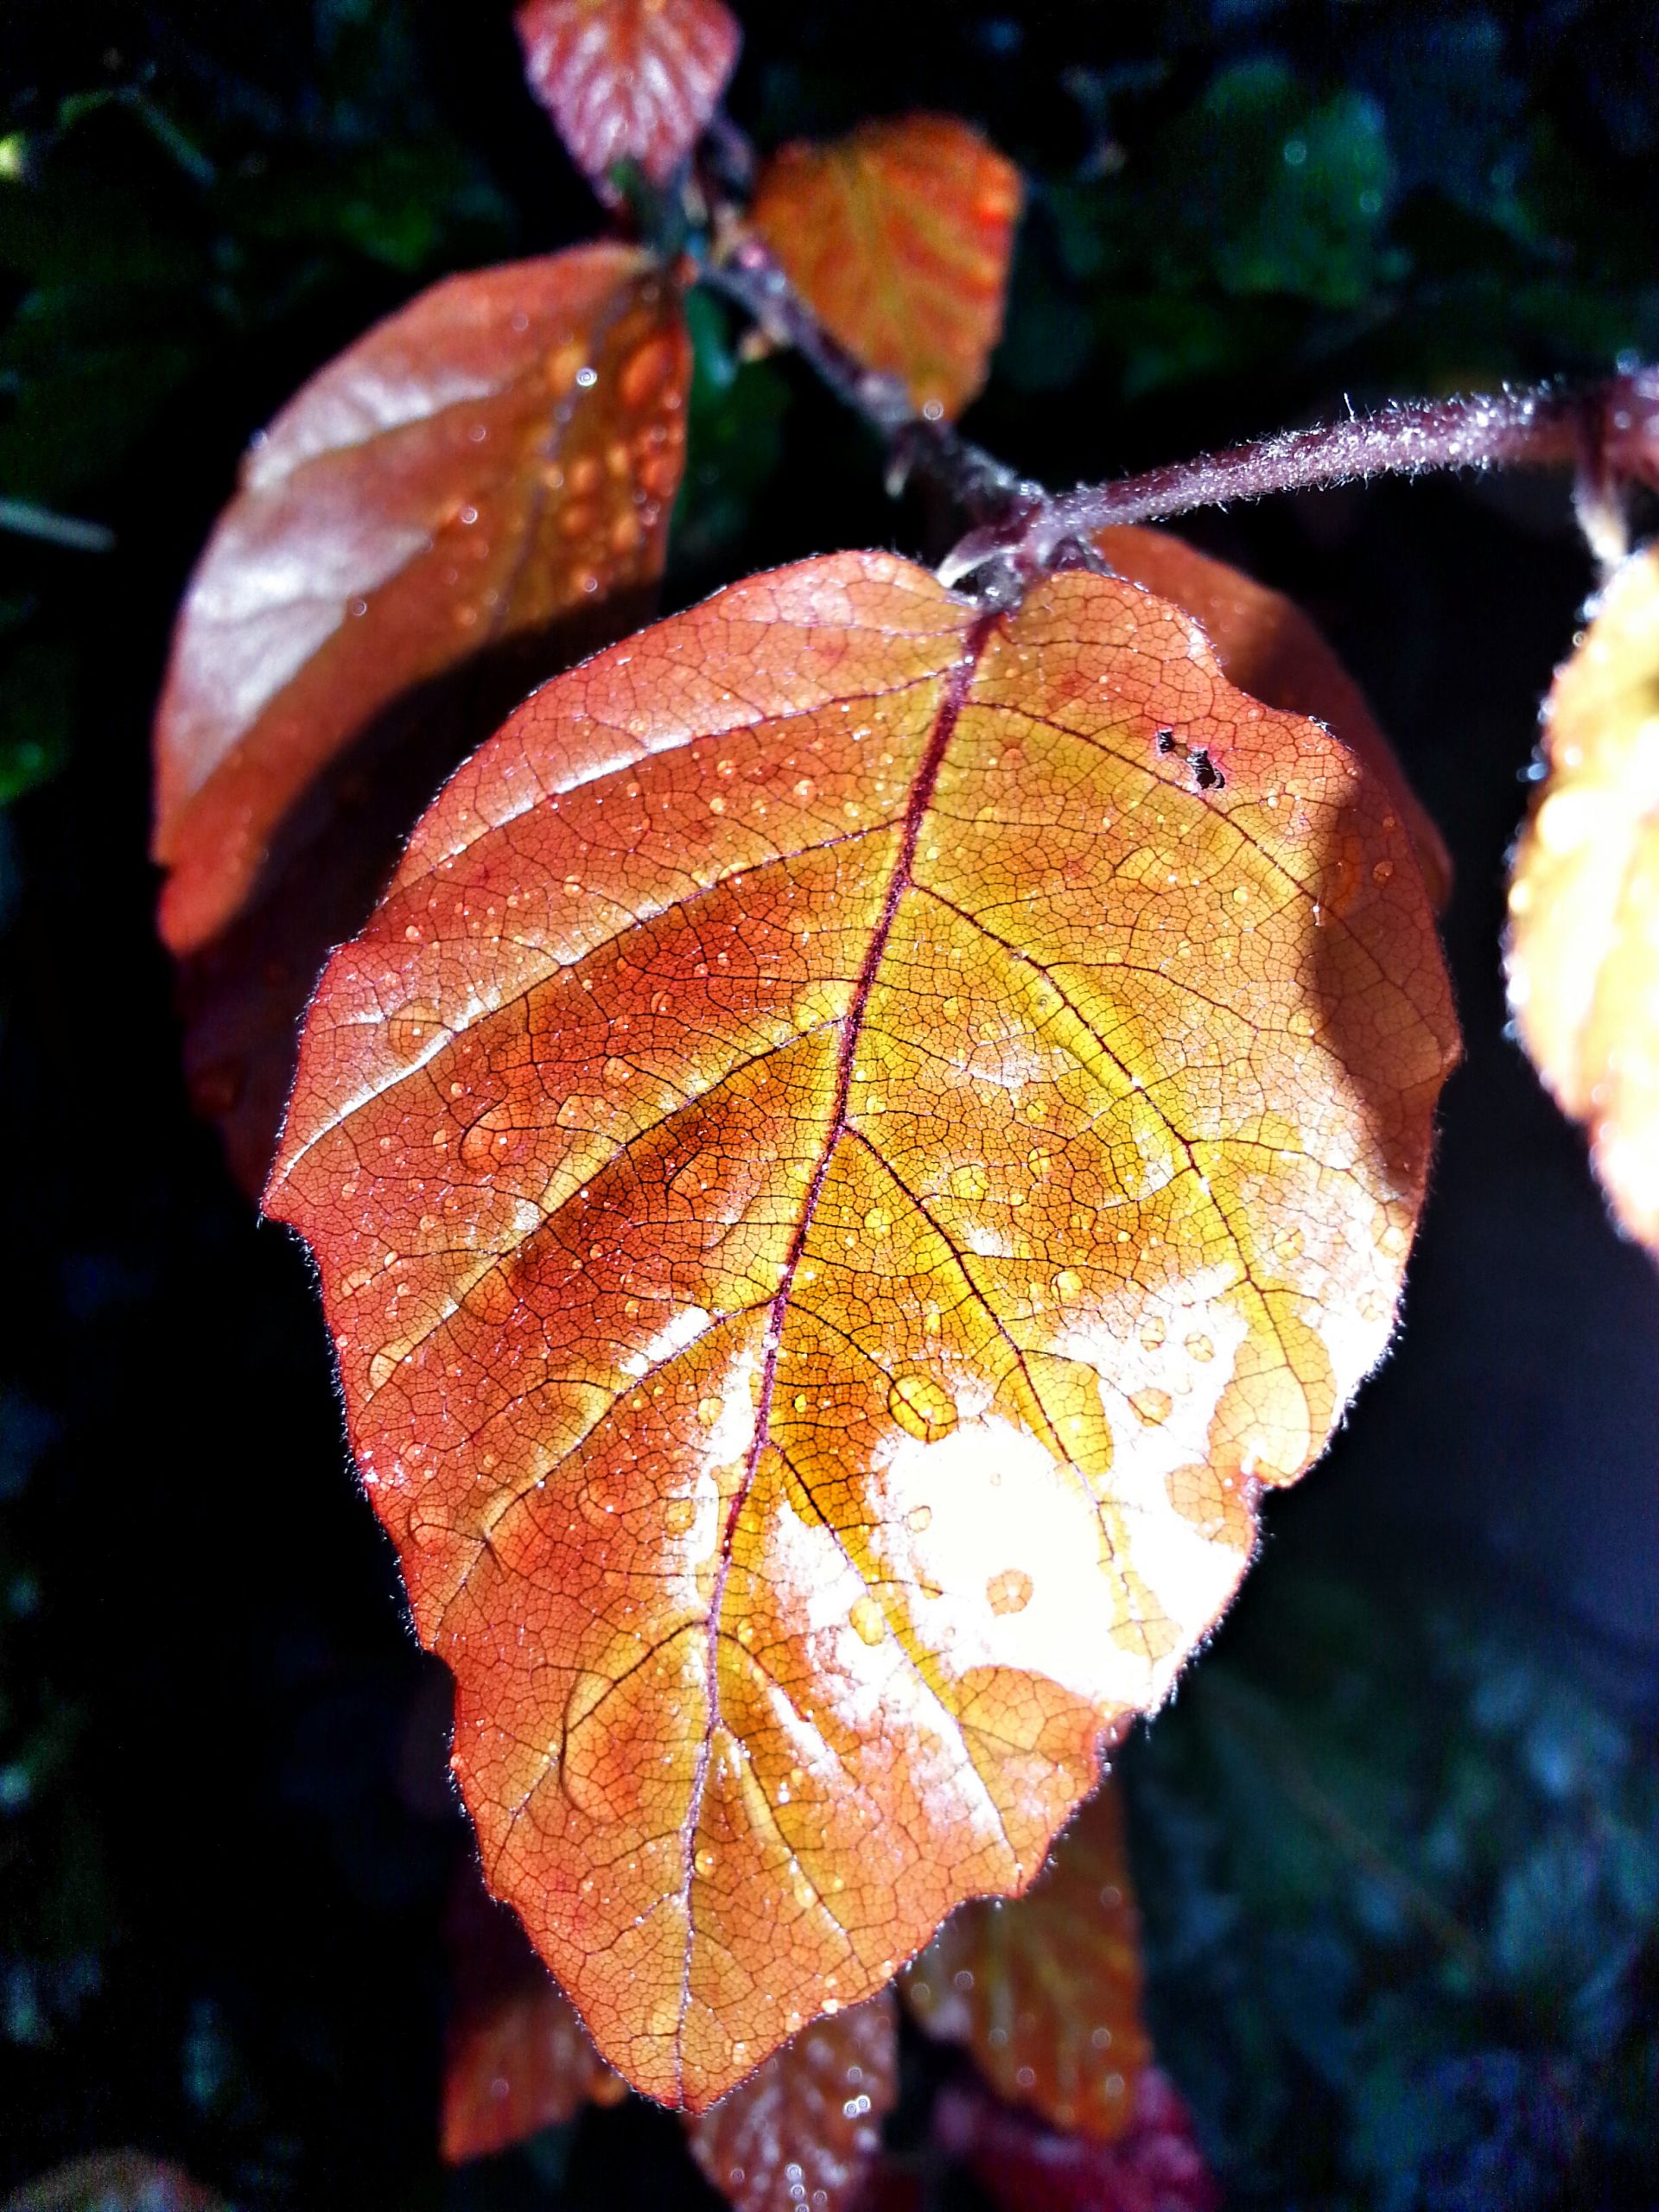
x=504, y=449
x=1045, y=1992
x=628, y=79
x=1269, y=648
x=516, y=2059
x=899, y=236
x=1584, y=898
x=806, y=2129
x=861, y=1135
x=1155, y=2166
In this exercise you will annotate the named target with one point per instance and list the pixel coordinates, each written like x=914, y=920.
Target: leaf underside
x=861, y=1135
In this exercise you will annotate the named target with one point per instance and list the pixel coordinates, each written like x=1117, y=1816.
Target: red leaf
x=628, y=79
x=863, y=1134
x=899, y=237
x=802, y=2134
x=516, y=2059
x=1045, y=1991
x=396, y=517
x=1154, y=2167
x=349, y=625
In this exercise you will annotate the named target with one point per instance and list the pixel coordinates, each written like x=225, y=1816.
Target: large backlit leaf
x=806, y=2129
x=628, y=79
x=861, y=1134
x=503, y=450
x=899, y=236
x=1045, y=1991
x=1269, y=648
x=1584, y=903
x=516, y=2058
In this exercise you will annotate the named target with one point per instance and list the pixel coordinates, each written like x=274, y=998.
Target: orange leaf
x=1584, y=903
x=628, y=79
x=1271, y=649
x=899, y=237
x=498, y=452
x=861, y=1134
x=806, y=2129
x=516, y=2059
x=1045, y=1992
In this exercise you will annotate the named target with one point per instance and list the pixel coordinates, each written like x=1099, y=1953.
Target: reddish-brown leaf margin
x=899, y=237
x=805, y=2130
x=516, y=2059
x=490, y=913
x=628, y=79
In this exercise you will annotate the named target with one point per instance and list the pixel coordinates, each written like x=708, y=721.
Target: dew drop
x=918, y=1519
x=1009, y=1592
x=868, y=1620
x=704, y=1860
x=1199, y=1347
x=1152, y=1407
x=922, y=1407
x=1383, y=871
x=679, y=1515
x=1068, y=1283
x=709, y=1411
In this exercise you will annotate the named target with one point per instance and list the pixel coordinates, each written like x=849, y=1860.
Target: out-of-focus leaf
x=502, y=450
x=1154, y=2165
x=805, y=2130
x=1045, y=1991
x=516, y=2059
x=628, y=79
x=821, y=1169
x=899, y=236
x=114, y=2181
x=1584, y=896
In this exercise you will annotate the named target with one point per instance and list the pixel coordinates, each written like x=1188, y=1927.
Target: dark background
x=1398, y=1838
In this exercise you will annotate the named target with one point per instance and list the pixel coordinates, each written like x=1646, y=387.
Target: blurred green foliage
x=1398, y=1852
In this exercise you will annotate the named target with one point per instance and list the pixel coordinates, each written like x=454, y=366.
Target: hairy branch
x=747, y=272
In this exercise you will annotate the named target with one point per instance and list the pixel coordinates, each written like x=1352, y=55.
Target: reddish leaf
x=628, y=79
x=503, y=450
x=804, y=2131
x=113, y=2181
x=516, y=2059
x=1584, y=904
x=1045, y=1992
x=1155, y=2166
x=1271, y=649
x=861, y=1134
x=900, y=237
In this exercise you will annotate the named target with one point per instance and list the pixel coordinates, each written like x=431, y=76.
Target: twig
x=1609, y=434
x=982, y=489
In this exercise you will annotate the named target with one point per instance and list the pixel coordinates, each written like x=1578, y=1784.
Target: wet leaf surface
x=1583, y=900
x=503, y=450
x=1044, y=1991
x=840, y=1167
x=900, y=237
x=802, y=2134
x=628, y=79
